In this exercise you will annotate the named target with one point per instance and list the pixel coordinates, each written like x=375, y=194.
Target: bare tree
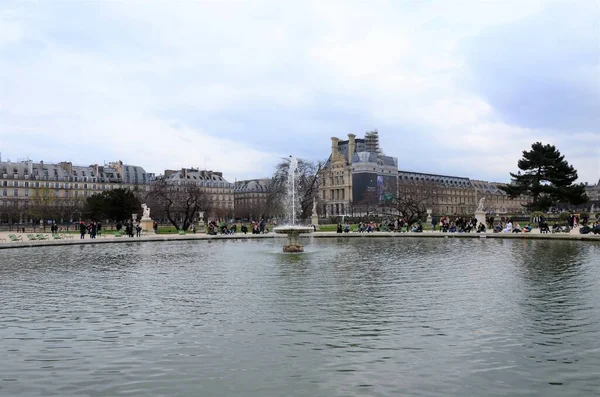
x=43, y=206
x=411, y=201
x=308, y=184
x=180, y=202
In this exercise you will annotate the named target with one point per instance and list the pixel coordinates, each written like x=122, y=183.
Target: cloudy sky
x=454, y=87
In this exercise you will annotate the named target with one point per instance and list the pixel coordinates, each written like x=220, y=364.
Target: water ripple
x=377, y=317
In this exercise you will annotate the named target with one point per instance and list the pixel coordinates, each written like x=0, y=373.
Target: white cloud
x=171, y=81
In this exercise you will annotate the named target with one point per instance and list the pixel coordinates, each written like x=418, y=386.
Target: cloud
x=542, y=71
x=162, y=84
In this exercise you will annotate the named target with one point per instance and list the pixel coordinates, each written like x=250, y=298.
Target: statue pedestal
x=428, y=221
x=480, y=216
x=314, y=220
x=146, y=225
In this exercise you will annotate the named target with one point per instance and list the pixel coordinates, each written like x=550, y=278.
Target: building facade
x=61, y=188
x=219, y=192
x=356, y=175
x=251, y=198
x=496, y=200
x=448, y=195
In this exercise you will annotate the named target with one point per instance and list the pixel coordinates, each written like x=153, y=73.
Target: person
x=339, y=228
x=508, y=228
x=434, y=223
x=98, y=228
x=138, y=230
x=193, y=229
x=527, y=228
x=155, y=226
x=481, y=227
x=82, y=229
x=347, y=228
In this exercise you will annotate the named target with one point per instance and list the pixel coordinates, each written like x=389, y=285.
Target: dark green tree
x=115, y=205
x=546, y=177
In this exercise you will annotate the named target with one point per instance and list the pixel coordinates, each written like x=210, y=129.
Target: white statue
x=146, y=214
x=480, y=207
x=314, y=210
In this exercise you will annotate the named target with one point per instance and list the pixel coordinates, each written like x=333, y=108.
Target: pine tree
x=547, y=178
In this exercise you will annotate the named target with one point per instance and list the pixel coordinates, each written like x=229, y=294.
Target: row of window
x=56, y=185
x=53, y=193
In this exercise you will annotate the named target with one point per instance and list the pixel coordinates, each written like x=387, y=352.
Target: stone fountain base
x=293, y=248
x=293, y=245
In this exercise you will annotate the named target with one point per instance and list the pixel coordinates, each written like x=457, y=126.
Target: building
x=496, y=200
x=61, y=187
x=251, y=198
x=355, y=176
x=449, y=195
x=218, y=191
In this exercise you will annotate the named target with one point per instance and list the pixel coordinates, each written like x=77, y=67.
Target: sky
x=453, y=87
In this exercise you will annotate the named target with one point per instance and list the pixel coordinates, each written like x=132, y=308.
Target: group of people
x=256, y=227
x=459, y=225
x=131, y=228
x=93, y=228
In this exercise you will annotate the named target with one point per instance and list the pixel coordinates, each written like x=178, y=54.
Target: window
x=16, y=193
x=26, y=192
x=26, y=184
x=5, y=192
x=4, y=183
x=15, y=184
x=85, y=186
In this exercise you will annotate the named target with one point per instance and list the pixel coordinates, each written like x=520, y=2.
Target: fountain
x=292, y=230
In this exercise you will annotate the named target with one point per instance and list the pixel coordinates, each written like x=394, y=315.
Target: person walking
x=434, y=222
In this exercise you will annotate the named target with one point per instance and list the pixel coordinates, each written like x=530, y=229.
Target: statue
x=146, y=214
x=314, y=209
x=481, y=201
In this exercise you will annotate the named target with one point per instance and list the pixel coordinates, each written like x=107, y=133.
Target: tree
x=547, y=178
x=412, y=200
x=116, y=205
x=307, y=186
x=42, y=206
x=180, y=202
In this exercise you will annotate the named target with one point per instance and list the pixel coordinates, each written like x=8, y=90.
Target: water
x=360, y=317
x=292, y=196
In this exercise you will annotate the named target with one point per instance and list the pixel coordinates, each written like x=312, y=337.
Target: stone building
x=219, y=192
x=356, y=174
x=449, y=195
x=496, y=200
x=251, y=198
x=62, y=187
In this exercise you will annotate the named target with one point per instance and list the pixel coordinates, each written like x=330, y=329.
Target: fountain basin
x=292, y=232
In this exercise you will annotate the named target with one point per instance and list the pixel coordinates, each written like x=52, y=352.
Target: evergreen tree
x=116, y=205
x=547, y=178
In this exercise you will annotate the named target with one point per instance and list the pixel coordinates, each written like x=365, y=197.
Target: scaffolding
x=372, y=142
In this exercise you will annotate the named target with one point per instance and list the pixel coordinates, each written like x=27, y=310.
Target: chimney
x=334, y=146
x=351, y=147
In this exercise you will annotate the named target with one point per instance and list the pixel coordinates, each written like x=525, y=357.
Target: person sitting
x=452, y=228
x=339, y=228
x=481, y=228
x=498, y=228
x=544, y=227
x=244, y=228
x=596, y=228
x=346, y=228
x=517, y=228
x=585, y=230
x=508, y=228
x=527, y=228
x=556, y=228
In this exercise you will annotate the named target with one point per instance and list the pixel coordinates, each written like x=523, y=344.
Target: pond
x=349, y=317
